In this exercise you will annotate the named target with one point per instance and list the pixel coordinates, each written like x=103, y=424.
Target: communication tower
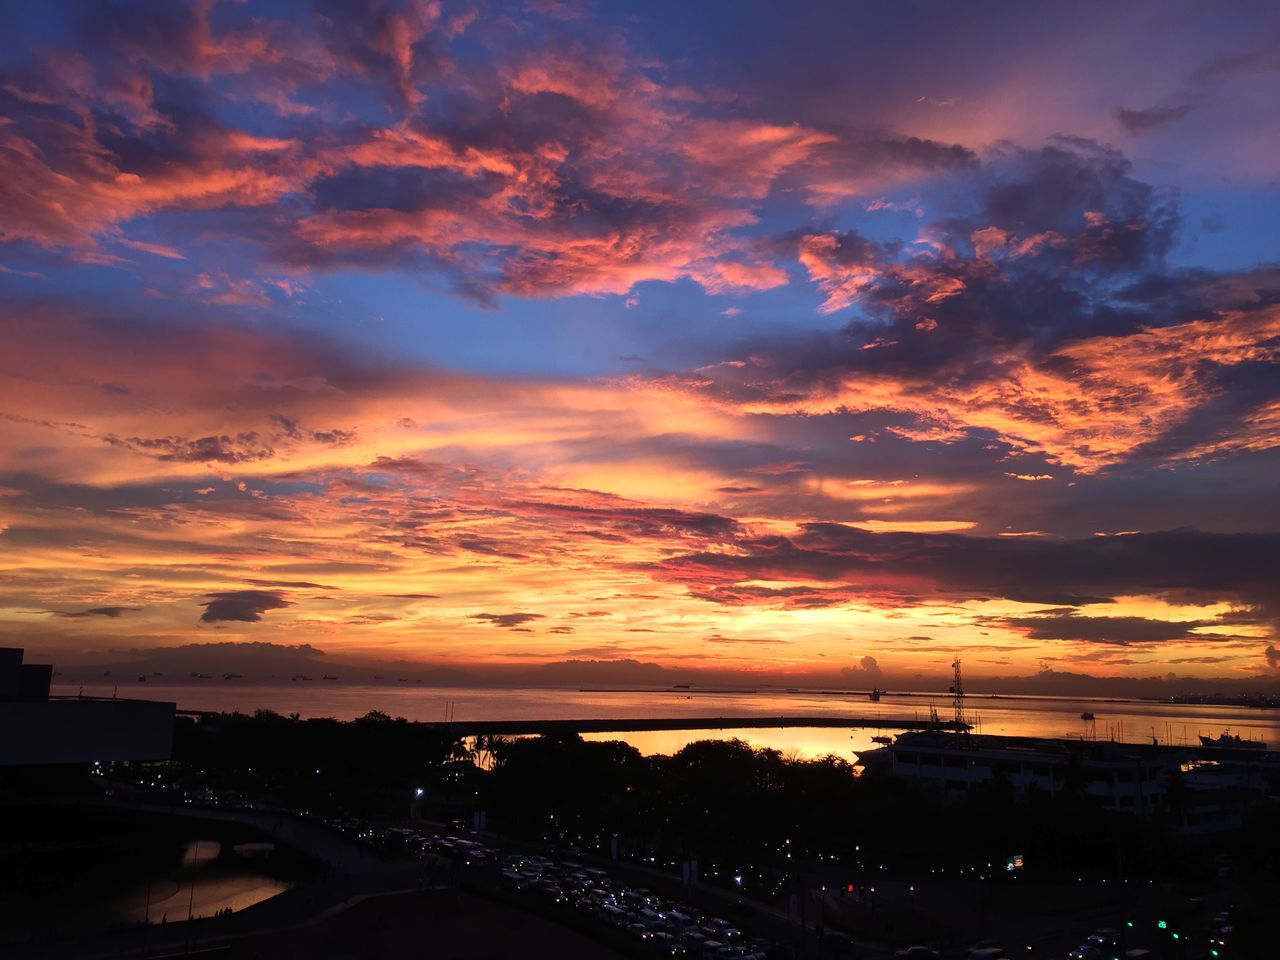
x=957, y=694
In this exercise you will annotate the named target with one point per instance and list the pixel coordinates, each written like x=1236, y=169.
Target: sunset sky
x=812, y=338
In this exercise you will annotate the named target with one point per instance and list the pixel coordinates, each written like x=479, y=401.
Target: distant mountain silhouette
x=258, y=662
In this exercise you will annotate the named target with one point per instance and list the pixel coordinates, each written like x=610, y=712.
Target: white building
x=1125, y=777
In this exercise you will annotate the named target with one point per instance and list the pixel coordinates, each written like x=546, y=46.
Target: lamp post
x=195, y=864
x=146, y=919
x=191, y=898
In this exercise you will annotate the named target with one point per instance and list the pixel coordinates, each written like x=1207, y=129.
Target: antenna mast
x=957, y=694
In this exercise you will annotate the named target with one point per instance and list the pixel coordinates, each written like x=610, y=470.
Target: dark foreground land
x=428, y=925
x=805, y=858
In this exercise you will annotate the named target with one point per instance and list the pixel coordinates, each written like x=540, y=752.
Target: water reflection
x=1130, y=720
x=209, y=878
x=805, y=743
x=201, y=851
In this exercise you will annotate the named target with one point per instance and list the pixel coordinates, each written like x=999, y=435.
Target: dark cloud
x=293, y=430
x=511, y=621
x=1263, y=58
x=798, y=597
x=1119, y=631
x=1024, y=264
x=635, y=521
x=558, y=163
x=868, y=668
x=110, y=612
x=1142, y=121
x=1057, y=599
x=1041, y=314
x=245, y=606
x=1189, y=565
x=246, y=447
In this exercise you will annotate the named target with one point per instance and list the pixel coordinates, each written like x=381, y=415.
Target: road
x=355, y=874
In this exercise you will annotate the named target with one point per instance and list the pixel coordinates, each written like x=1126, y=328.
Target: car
x=720, y=929
x=1086, y=951
x=679, y=919
x=667, y=945
x=510, y=880
x=917, y=952
x=551, y=890
x=987, y=953
x=614, y=915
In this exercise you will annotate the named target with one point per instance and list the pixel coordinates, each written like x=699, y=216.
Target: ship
x=875, y=694
x=1086, y=716
x=882, y=739
x=1232, y=741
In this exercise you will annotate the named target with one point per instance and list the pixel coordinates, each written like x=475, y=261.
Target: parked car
x=986, y=950
x=510, y=880
x=720, y=929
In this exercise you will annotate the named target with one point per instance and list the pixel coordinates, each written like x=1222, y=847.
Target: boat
x=875, y=694
x=1086, y=716
x=880, y=757
x=882, y=739
x=1232, y=741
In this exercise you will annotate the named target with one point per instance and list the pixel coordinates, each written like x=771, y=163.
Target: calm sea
x=1129, y=720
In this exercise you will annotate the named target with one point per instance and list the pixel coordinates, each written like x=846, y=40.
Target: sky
x=811, y=339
